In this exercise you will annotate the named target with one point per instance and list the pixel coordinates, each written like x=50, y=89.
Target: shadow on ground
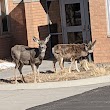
x=5, y=81
x=47, y=72
x=9, y=81
x=96, y=99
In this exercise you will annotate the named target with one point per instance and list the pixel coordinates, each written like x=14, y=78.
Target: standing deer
x=24, y=55
x=72, y=52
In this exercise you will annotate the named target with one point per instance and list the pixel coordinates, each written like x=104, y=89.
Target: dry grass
x=94, y=71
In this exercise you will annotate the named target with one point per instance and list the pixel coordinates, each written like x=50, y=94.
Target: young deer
x=24, y=55
x=72, y=52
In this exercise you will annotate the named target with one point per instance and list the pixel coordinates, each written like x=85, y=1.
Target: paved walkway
x=24, y=99
x=96, y=99
x=23, y=96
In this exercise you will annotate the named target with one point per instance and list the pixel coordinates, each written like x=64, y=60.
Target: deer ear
x=91, y=47
x=86, y=47
x=47, y=39
x=90, y=43
x=36, y=40
x=93, y=43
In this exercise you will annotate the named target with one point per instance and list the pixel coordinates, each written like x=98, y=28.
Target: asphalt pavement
x=96, y=99
x=68, y=95
x=70, y=98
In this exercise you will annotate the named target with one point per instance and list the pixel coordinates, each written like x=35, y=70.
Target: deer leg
x=34, y=72
x=54, y=64
x=83, y=64
x=72, y=61
x=61, y=63
x=20, y=70
x=38, y=73
x=16, y=67
x=15, y=74
x=86, y=65
x=76, y=64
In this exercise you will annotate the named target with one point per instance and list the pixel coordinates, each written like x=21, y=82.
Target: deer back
x=68, y=51
x=26, y=54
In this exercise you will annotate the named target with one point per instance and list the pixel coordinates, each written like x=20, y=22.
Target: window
x=108, y=17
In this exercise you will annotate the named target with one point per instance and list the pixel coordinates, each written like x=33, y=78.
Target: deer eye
x=41, y=47
x=86, y=48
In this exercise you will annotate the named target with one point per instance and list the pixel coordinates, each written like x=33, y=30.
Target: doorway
x=75, y=21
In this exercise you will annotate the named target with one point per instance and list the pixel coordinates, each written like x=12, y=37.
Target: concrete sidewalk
x=23, y=96
x=60, y=84
x=24, y=99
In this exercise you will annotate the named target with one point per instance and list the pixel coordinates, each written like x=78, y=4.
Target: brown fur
x=70, y=52
x=24, y=55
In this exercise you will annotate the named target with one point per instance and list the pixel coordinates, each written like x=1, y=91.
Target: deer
x=24, y=55
x=72, y=52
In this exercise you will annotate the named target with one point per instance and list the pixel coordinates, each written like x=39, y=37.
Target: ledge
x=61, y=84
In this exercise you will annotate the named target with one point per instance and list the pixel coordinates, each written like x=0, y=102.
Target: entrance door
x=75, y=21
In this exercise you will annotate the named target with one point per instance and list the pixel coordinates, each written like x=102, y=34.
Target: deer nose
x=42, y=47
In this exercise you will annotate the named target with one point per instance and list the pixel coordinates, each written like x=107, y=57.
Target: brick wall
x=99, y=30
x=30, y=19
x=54, y=14
x=5, y=46
x=17, y=22
x=25, y=20
x=37, y=22
x=35, y=17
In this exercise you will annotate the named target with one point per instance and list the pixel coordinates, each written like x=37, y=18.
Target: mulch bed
x=50, y=76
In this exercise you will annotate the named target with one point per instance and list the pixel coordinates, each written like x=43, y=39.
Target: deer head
x=90, y=46
x=42, y=43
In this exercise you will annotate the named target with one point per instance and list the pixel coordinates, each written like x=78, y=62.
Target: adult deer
x=72, y=52
x=24, y=55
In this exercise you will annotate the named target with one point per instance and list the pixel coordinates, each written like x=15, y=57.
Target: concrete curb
x=47, y=85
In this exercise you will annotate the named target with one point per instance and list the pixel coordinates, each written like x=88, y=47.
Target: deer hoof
x=40, y=80
x=35, y=81
x=55, y=71
x=24, y=81
x=69, y=71
x=87, y=69
x=16, y=82
x=78, y=70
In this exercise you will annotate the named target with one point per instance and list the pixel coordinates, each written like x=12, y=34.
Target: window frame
x=108, y=17
x=22, y=1
x=48, y=19
x=7, y=14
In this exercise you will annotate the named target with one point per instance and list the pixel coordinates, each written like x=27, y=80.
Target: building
x=69, y=21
